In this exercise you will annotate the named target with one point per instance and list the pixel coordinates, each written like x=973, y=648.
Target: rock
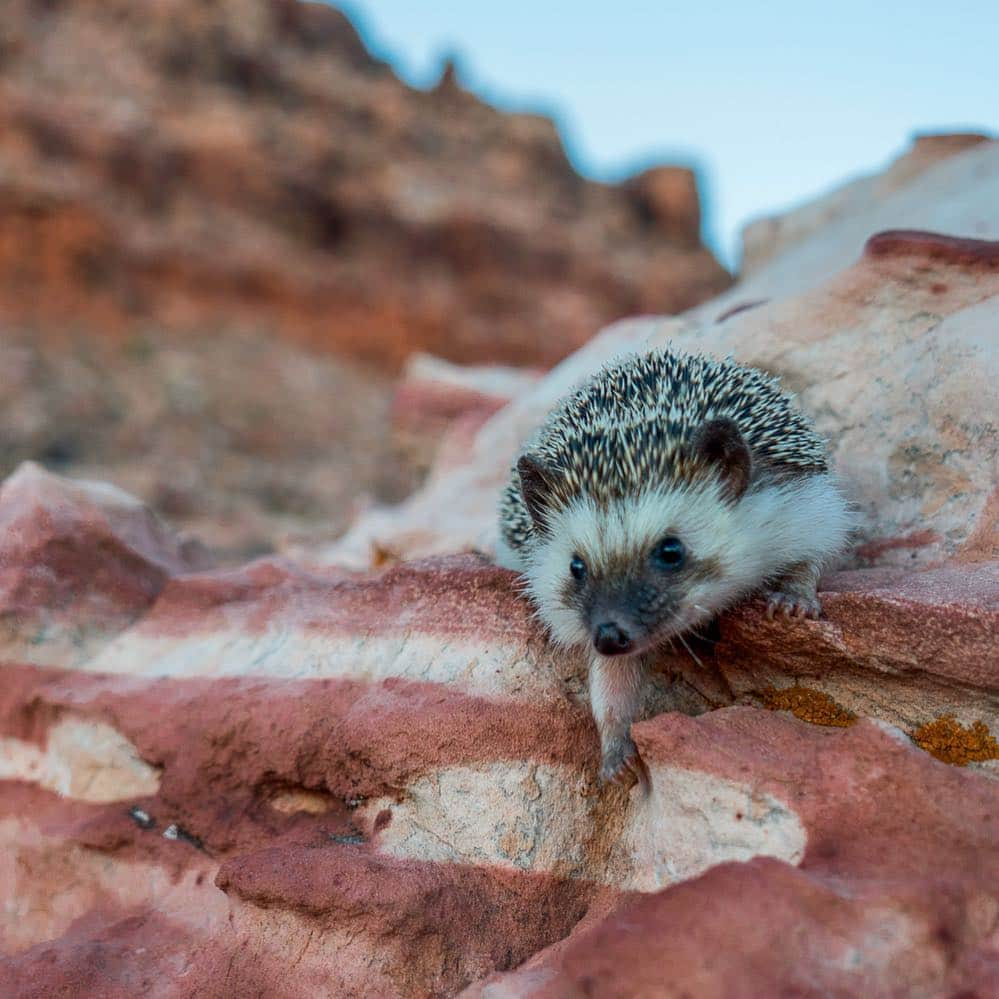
x=52, y=588
x=768, y=238
x=433, y=392
x=385, y=784
x=293, y=777
x=83, y=760
x=248, y=165
x=355, y=762
x=894, y=359
x=850, y=914
x=438, y=406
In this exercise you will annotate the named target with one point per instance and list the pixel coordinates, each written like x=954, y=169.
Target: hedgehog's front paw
x=789, y=604
x=623, y=766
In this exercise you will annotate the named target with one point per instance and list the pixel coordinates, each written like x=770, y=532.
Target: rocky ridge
x=247, y=165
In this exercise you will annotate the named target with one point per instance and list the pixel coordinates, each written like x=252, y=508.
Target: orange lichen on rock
x=948, y=740
x=382, y=556
x=808, y=705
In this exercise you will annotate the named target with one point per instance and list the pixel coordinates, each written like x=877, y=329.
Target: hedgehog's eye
x=578, y=568
x=669, y=553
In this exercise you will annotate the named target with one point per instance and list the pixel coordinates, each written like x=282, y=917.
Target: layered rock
x=337, y=774
x=385, y=784
x=247, y=165
x=51, y=589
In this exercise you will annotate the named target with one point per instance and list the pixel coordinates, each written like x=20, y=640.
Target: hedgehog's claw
x=792, y=605
x=624, y=768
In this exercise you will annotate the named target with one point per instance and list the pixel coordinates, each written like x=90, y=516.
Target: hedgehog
x=665, y=489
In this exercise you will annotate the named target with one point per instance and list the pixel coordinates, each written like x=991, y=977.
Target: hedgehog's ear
x=537, y=485
x=719, y=442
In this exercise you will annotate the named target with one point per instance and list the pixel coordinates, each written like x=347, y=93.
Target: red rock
x=934, y=246
x=480, y=919
x=292, y=778
x=52, y=585
x=385, y=783
x=860, y=914
x=881, y=628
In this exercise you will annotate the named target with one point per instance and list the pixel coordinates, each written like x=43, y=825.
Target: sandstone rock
x=854, y=915
x=54, y=595
x=248, y=164
x=894, y=358
x=385, y=784
x=765, y=239
x=292, y=777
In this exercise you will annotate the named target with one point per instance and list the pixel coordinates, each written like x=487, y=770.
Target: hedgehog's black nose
x=610, y=640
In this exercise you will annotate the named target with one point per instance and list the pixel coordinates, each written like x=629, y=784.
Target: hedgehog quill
x=663, y=490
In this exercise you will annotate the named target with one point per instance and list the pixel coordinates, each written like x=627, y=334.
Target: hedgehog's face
x=628, y=574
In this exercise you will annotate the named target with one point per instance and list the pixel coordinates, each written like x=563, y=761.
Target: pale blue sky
x=773, y=102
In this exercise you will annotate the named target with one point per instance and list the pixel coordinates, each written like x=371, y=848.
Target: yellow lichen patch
x=382, y=556
x=294, y=800
x=948, y=740
x=808, y=705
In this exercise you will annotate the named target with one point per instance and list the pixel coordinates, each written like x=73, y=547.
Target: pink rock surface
x=860, y=914
x=50, y=529
x=384, y=784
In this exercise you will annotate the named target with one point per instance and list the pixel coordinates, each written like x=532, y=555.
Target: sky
x=773, y=103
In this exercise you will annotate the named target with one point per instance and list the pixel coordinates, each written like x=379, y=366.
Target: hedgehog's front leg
x=617, y=685
x=794, y=593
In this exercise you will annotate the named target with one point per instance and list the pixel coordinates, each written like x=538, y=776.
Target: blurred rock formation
x=224, y=227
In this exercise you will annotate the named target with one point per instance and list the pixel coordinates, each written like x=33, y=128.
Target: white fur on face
x=766, y=532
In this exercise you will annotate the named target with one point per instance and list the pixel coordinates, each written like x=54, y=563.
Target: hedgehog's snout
x=611, y=640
